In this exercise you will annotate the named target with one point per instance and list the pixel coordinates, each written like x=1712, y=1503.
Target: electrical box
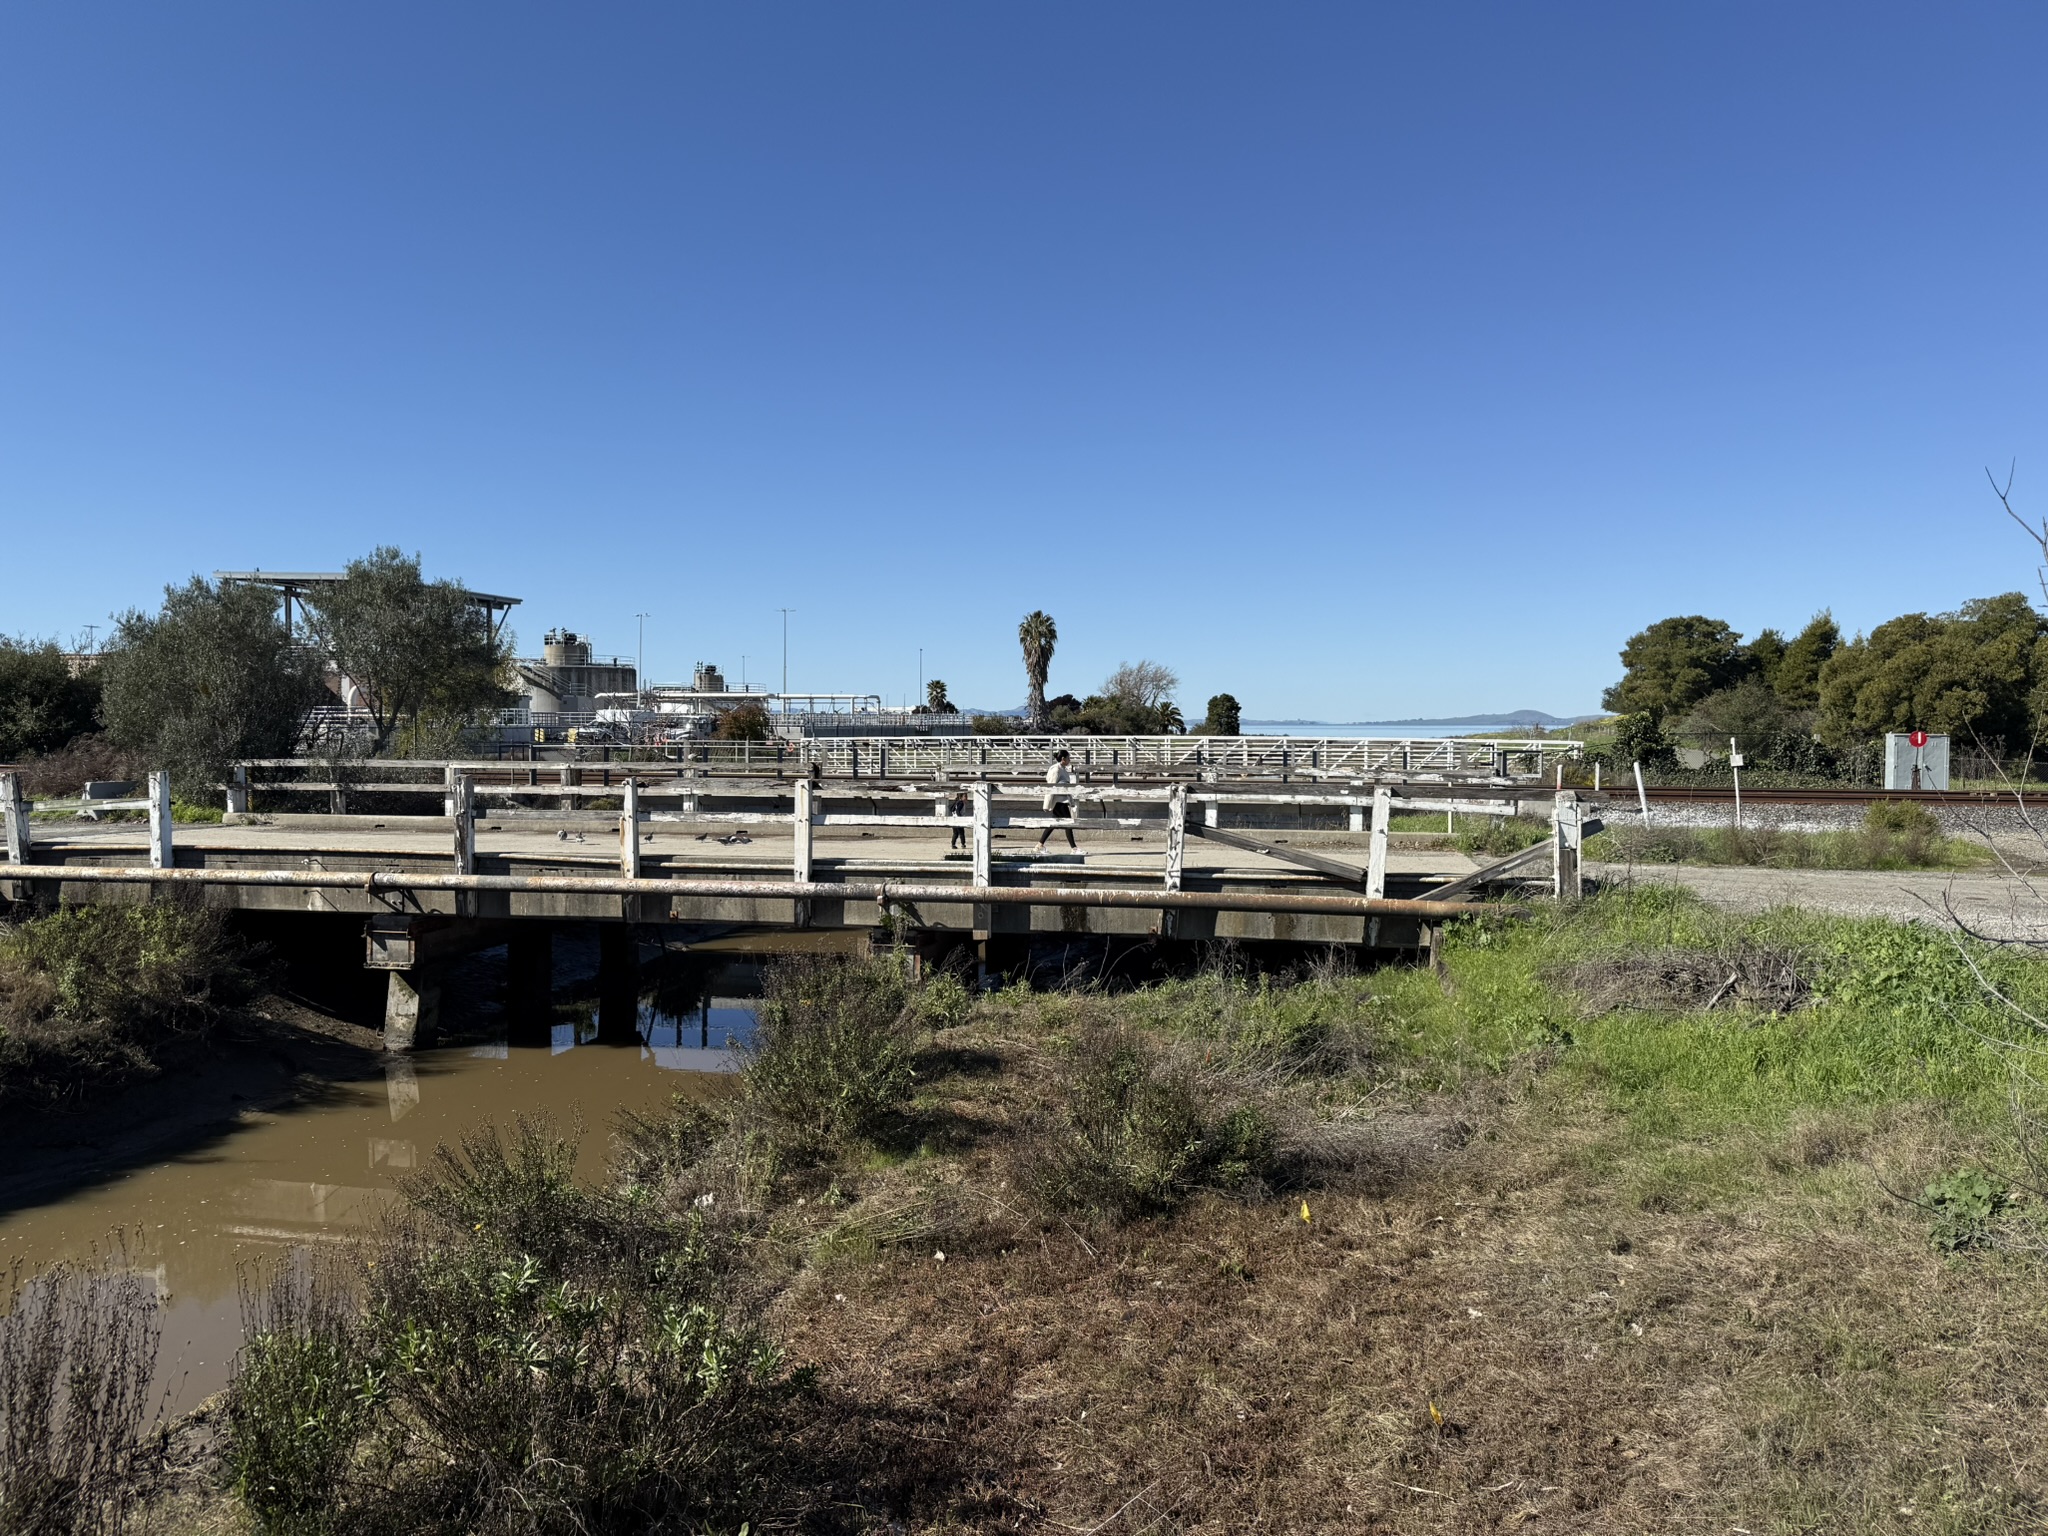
x=1907, y=766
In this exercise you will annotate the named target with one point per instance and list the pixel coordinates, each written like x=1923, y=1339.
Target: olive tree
x=211, y=677
x=422, y=654
x=44, y=704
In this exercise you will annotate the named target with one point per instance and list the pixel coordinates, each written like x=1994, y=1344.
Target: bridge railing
x=641, y=804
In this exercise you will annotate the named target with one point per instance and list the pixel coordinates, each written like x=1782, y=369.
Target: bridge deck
x=1107, y=857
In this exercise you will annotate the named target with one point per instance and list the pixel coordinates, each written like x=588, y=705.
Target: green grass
x=1896, y=1016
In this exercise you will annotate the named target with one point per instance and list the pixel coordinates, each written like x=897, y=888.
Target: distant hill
x=1523, y=717
x=1527, y=718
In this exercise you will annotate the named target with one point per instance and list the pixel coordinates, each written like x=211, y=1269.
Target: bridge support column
x=160, y=855
x=1376, y=857
x=14, y=811
x=618, y=985
x=412, y=1007
x=529, y=984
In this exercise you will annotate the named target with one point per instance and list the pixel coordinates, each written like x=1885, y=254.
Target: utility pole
x=785, y=652
x=640, y=656
x=920, y=674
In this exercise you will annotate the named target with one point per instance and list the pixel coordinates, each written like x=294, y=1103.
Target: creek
x=318, y=1170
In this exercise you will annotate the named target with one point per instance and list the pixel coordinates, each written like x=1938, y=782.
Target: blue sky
x=1365, y=361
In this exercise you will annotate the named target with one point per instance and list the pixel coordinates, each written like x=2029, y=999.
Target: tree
x=935, y=700
x=1674, y=664
x=743, y=722
x=1037, y=634
x=1224, y=718
x=1171, y=721
x=210, y=678
x=1763, y=656
x=1751, y=712
x=1140, y=685
x=418, y=651
x=1976, y=674
x=1798, y=676
x=44, y=705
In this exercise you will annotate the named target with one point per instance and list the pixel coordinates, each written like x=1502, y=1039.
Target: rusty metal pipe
x=881, y=891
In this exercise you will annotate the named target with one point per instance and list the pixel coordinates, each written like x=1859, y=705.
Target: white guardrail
x=641, y=804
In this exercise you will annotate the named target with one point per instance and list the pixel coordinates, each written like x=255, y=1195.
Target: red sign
x=1918, y=738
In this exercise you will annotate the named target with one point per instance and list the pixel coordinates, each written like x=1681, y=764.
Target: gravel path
x=1993, y=904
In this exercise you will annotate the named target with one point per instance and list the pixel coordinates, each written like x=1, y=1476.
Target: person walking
x=959, y=807
x=1059, y=775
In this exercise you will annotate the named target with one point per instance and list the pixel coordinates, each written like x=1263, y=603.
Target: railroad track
x=1682, y=793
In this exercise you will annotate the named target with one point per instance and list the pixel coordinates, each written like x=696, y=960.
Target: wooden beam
x=1487, y=872
x=1351, y=874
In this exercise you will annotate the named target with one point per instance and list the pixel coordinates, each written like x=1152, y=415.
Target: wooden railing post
x=14, y=811
x=629, y=831
x=1376, y=860
x=461, y=802
x=1176, y=834
x=1566, y=882
x=160, y=856
x=984, y=855
x=800, y=829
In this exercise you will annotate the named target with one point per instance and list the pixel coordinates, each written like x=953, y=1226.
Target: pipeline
x=885, y=892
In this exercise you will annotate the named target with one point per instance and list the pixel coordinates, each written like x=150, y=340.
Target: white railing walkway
x=639, y=806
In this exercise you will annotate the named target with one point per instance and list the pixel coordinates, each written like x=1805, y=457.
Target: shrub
x=89, y=995
x=553, y=1358
x=531, y=1356
x=833, y=1053
x=1141, y=1130
x=299, y=1401
x=78, y=1345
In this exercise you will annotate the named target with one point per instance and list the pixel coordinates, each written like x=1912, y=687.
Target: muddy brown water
x=316, y=1171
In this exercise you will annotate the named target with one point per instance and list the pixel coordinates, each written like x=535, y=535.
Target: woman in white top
x=1059, y=774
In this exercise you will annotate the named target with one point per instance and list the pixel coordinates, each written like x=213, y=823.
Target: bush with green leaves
x=533, y=1356
x=834, y=1049
x=1964, y=1204
x=299, y=1402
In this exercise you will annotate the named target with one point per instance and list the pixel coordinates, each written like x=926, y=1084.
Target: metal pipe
x=881, y=891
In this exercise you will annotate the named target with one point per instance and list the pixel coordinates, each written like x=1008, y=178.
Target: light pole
x=640, y=656
x=785, y=653
x=920, y=676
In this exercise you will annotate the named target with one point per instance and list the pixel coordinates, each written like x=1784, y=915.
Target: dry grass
x=1806, y=1364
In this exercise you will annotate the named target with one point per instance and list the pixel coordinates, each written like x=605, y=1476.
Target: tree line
x=1978, y=675
x=216, y=674
x=1137, y=699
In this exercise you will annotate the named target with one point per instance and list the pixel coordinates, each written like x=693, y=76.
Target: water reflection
x=323, y=1171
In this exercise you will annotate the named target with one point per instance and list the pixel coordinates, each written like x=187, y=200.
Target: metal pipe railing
x=882, y=892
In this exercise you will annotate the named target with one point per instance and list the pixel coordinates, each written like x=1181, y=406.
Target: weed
x=1140, y=1130
x=78, y=1344
x=1964, y=1203
x=833, y=1053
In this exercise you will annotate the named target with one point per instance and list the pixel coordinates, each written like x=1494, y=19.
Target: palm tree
x=1038, y=635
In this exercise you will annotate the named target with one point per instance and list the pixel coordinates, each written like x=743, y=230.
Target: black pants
x=1060, y=811
x=959, y=837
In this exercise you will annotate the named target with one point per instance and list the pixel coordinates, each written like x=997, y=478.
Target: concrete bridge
x=500, y=856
